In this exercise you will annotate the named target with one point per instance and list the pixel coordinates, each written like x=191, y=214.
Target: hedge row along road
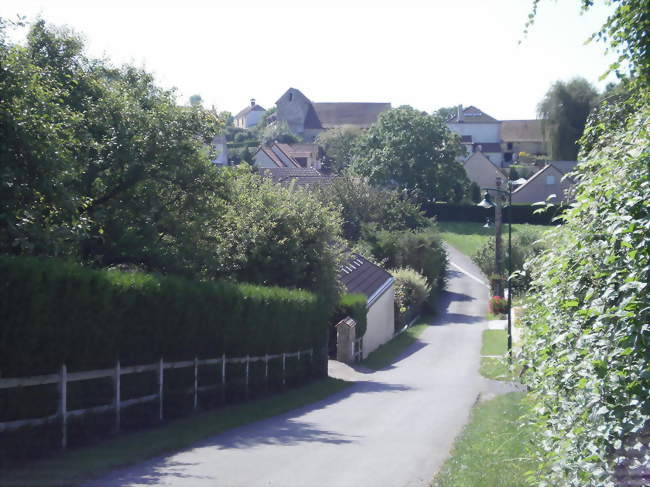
x=393, y=428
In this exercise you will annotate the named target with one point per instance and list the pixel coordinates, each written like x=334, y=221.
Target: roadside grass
x=492, y=451
x=495, y=342
x=390, y=351
x=79, y=465
x=468, y=237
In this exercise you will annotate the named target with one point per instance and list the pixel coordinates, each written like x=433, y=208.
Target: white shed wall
x=381, y=322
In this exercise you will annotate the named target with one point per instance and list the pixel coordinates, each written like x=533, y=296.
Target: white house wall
x=480, y=132
x=380, y=322
x=254, y=117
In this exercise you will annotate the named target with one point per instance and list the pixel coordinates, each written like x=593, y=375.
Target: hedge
x=54, y=313
x=521, y=213
x=354, y=306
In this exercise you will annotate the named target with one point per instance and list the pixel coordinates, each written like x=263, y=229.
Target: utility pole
x=498, y=224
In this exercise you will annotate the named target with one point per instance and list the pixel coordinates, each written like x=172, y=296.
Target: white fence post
x=196, y=382
x=223, y=378
x=248, y=361
x=118, y=396
x=266, y=369
x=283, y=369
x=63, y=405
x=161, y=368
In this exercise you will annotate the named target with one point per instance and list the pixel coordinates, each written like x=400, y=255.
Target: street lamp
x=488, y=203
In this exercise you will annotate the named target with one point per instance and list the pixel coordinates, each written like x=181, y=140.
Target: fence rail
x=63, y=378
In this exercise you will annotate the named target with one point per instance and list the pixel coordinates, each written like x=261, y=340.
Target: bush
x=355, y=306
x=525, y=245
x=411, y=292
x=421, y=250
x=498, y=305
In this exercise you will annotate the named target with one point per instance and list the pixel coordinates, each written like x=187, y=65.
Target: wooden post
x=248, y=361
x=284, y=380
x=118, y=398
x=196, y=382
x=161, y=368
x=223, y=378
x=63, y=405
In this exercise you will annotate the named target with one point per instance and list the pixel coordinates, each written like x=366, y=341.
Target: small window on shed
x=550, y=180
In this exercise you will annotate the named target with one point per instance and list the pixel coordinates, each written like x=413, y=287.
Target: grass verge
x=493, y=448
x=76, y=466
x=390, y=351
x=468, y=237
x=495, y=342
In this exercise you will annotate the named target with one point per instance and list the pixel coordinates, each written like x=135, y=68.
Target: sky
x=424, y=53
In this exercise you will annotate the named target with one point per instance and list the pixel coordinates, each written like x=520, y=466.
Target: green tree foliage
x=564, y=111
x=420, y=250
x=278, y=131
x=339, y=145
x=196, y=100
x=475, y=192
x=587, y=353
x=411, y=292
x=270, y=234
x=362, y=204
x=99, y=164
x=413, y=151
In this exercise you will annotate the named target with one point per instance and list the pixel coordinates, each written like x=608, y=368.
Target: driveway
x=394, y=427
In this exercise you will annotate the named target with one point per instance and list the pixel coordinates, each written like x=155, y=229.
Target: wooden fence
x=64, y=377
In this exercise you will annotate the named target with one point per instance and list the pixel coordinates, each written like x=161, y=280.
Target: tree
x=447, y=112
x=339, y=144
x=475, y=192
x=196, y=100
x=363, y=205
x=278, y=132
x=564, y=111
x=415, y=152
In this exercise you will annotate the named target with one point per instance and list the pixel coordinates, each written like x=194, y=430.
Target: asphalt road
x=393, y=428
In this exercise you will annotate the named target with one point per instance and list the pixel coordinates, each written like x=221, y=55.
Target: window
x=290, y=96
x=550, y=180
x=509, y=145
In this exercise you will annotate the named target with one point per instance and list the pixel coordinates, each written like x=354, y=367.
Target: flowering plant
x=498, y=305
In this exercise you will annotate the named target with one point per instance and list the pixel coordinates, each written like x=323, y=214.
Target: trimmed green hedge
x=354, y=306
x=521, y=213
x=54, y=312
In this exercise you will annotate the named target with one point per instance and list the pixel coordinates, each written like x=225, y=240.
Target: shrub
x=354, y=306
x=411, y=291
x=421, y=250
x=498, y=305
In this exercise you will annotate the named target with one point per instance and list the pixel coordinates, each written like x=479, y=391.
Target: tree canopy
x=99, y=164
x=564, y=111
x=339, y=145
x=412, y=151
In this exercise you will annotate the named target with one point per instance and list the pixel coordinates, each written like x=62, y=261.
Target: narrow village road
x=393, y=428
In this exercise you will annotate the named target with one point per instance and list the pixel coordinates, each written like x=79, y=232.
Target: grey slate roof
x=521, y=131
x=564, y=166
x=249, y=109
x=471, y=114
x=359, y=275
x=335, y=114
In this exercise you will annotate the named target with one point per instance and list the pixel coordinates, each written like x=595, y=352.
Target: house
x=499, y=141
x=482, y=170
x=521, y=136
x=306, y=177
x=288, y=155
x=249, y=116
x=479, y=132
x=550, y=180
x=359, y=275
x=308, y=119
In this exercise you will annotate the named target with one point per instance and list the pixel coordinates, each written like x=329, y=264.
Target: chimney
x=461, y=114
x=252, y=102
